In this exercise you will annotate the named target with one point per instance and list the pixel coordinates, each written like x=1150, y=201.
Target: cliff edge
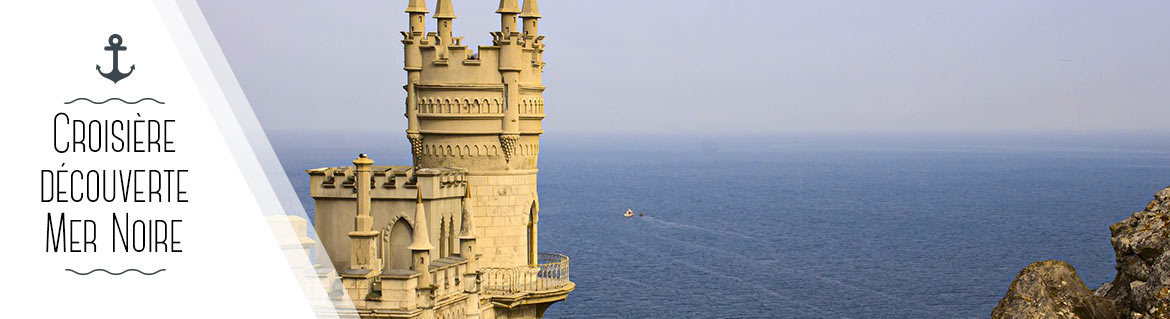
x=1141, y=289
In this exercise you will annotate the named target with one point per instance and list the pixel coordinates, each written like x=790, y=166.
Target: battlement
x=389, y=182
x=458, y=64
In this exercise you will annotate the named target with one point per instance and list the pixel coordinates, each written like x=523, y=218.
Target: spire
x=508, y=6
x=530, y=10
x=421, y=239
x=467, y=229
x=417, y=6
x=444, y=10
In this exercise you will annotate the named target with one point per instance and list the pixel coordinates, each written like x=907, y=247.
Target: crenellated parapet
x=389, y=182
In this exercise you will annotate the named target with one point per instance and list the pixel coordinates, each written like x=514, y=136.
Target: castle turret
x=418, y=11
x=363, y=256
x=509, y=42
x=420, y=244
x=508, y=11
x=467, y=232
x=412, y=41
x=445, y=13
x=467, y=251
x=530, y=15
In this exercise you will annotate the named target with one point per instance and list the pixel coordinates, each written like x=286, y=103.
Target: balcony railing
x=550, y=273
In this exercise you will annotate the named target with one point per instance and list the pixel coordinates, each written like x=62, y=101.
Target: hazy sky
x=735, y=66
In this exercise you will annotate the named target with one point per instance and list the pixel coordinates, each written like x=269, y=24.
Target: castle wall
x=335, y=220
x=502, y=206
x=391, y=200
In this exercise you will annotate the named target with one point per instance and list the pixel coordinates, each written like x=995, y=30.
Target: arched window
x=451, y=242
x=442, y=237
x=532, y=219
x=396, y=252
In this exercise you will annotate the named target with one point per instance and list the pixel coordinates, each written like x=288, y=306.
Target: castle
x=455, y=234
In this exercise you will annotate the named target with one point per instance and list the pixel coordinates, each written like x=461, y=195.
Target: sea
x=811, y=226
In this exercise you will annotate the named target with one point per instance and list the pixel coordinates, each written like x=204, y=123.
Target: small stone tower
x=481, y=112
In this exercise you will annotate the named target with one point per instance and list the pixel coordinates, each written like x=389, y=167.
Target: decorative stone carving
x=508, y=142
x=416, y=147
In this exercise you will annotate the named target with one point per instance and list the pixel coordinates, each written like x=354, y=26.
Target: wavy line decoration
x=115, y=273
x=116, y=99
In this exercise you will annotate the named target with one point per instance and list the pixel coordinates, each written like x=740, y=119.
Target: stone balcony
x=546, y=282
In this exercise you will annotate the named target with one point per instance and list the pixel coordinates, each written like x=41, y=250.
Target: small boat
x=629, y=213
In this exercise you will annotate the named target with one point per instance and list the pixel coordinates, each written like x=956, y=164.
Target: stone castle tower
x=455, y=234
x=481, y=112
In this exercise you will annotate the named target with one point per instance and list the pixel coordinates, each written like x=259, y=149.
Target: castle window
x=396, y=255
x=443, y=238
x=451, y=245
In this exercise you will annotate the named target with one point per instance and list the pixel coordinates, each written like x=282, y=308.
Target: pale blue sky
x=736, y=66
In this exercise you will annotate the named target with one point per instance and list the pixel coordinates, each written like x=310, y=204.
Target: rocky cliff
x=1141, y=290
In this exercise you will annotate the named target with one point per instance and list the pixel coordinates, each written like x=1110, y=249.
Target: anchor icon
x=115, y=74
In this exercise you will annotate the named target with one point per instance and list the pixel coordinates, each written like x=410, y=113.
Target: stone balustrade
x=550, y=273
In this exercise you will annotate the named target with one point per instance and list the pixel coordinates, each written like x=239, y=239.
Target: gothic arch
x=443, y=252
x=451, y=242
x=396, y=238
x=533, y=218
x=400, y=216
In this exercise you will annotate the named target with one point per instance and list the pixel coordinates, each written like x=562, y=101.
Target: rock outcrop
x=1141, y=244
x=1051, y=289
x=1141, y=290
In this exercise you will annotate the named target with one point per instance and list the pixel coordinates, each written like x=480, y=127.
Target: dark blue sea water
x=815, y=227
